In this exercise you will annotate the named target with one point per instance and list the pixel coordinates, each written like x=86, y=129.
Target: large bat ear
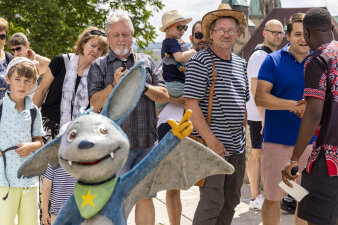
x=125, y=96
x=36, y=164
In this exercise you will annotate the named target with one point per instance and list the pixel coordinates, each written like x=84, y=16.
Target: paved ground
x=243, y=215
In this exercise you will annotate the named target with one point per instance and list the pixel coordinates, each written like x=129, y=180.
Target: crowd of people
x=224, y=93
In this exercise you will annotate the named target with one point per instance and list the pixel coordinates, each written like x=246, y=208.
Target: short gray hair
x=116, y=18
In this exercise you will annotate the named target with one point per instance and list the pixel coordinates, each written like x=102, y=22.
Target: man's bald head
x=273, y=23
x=273, y=34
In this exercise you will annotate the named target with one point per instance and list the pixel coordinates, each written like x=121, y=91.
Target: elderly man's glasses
x=3, y=36
x=181, y=27
x=97, y=32
x=276, y=33
x=16, y=49
x=198, y=35
x=223, y=32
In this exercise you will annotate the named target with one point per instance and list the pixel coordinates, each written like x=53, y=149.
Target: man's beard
x=198, y=47
x=121, y=52
x=274, y=44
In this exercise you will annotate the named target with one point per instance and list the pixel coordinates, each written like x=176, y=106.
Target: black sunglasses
x=198, y=35
x=16, y=49
x=3, y=36
x=182, y=27
x=97, y=32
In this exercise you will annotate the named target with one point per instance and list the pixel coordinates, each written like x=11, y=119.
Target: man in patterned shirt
x=321, y=93
x=140, y=126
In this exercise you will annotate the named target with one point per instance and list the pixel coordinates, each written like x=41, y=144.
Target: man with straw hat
x=219, y=73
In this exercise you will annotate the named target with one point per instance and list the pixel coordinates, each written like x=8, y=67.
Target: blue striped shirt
x=62, y=187
x=230, y=95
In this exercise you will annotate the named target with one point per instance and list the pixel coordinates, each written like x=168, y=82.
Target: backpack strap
x=33, y=113
x=0, y=110
x=262, y=47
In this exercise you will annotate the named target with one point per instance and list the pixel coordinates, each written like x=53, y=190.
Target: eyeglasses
x=97, y=32
x=198, y=35
x=276, y=33
x=181, y=27
x=223, y=32
x=3, y=36
x=16, y=49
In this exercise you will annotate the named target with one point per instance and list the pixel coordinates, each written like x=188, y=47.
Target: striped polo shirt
x=230, y=95
x=62, y=187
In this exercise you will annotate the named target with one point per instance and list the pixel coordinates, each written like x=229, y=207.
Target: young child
x=58, y=186
x=174, y=52
x=19, y=139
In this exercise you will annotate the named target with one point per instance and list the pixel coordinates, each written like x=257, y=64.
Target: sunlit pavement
x=243, y=215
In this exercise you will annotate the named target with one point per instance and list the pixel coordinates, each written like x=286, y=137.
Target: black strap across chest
x=33, y=113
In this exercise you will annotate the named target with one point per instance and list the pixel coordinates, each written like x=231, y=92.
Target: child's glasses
x=181, y=27
x=16, y=49
x=3, y=36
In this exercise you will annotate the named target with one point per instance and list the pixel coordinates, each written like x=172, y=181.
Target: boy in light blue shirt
x=21, y=139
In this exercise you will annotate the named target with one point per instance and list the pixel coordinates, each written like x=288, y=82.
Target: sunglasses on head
x=97, y=32
x=3, y=36
x=16, y=49
x=181, y=27
x=198, y=35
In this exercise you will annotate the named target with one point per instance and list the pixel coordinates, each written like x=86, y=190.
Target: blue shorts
x=134, y=157
x=255, y=134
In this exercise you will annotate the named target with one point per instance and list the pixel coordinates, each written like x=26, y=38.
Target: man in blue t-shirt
x=280, y=91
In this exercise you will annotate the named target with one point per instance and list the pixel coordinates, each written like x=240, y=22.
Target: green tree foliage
x=53, y=26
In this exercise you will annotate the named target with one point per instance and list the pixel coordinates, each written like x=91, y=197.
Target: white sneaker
x=257, y=202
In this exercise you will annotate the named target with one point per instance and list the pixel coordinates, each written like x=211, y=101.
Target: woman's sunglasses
x=97, y=32
x=16, y=49
x=198, y=35
x=181, y=27
x=3, y=36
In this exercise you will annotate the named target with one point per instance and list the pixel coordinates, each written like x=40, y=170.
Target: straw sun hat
x=171, y=17
x=223, y=10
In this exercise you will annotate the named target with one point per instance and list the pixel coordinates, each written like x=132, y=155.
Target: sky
x=197, y=8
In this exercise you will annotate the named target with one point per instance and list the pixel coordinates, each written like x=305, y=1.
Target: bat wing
x=36, y=164
x=186, y=164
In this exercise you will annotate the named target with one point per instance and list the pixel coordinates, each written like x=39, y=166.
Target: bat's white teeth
x=112, y=155
x=70, y=163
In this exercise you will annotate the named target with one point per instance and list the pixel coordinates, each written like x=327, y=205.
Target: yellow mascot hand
x=184, y=127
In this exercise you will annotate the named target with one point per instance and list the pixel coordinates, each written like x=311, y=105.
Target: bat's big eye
x=103, y=130
x=72, y=135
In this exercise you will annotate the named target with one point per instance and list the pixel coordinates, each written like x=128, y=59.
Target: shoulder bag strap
x=66, y=59
x=212, y=88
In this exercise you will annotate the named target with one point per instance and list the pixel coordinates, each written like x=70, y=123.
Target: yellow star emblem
x=88, y=199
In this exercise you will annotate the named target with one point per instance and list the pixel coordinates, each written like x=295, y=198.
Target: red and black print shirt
x=321, y=81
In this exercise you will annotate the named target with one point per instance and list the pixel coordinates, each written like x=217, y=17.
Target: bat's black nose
x=85, y=144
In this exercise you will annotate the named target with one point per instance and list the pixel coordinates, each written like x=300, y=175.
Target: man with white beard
x=140, y=126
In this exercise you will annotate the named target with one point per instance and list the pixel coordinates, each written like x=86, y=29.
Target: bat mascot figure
x=93, y=148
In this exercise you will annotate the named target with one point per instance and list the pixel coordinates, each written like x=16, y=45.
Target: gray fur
x=88, y=127
x=166, y=176
x=120, y=105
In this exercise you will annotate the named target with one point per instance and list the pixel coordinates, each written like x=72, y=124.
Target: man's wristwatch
x=146, y=88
